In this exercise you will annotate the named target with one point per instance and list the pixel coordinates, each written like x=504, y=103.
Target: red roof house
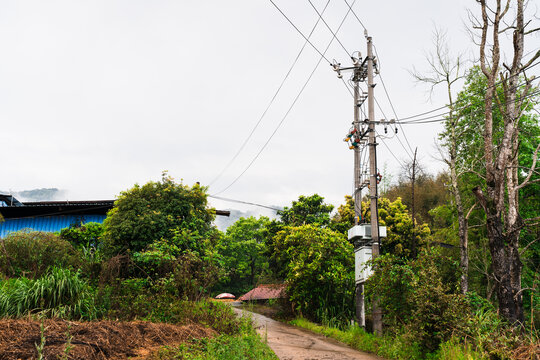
x=265, y=292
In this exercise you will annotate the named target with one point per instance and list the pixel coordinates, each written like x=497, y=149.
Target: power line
x=290, y=108
x=298, y=30
x=356, y=16
x=426, y=120
x=244, y=202
x=458, y=109
x=400, y=142
x=271, y=101
x=329, y=28
x=390, y=151
x=462, y=100
x=440, y=108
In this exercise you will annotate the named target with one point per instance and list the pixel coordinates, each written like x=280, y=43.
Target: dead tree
x=499, y=197
x=445, y=69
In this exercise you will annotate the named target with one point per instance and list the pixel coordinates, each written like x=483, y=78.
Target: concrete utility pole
x=364, y=237
x=359, y=289
x=373, y=191
x=412, y=207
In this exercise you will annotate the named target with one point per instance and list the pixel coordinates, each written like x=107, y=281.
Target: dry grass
x=92, y=340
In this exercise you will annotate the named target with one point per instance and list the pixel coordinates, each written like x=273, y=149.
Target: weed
x=41, y=345
x=61, y=293
x=224, y=347
x=69, y=346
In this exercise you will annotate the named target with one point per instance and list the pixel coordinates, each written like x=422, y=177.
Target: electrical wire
x=400, y=142
x=347, y=87
x=329, y=28
x=456, y=117
x=271, y=101
x=459, y=109
x=392, y=106
x=463, y=100
x=298, y=30
x=354, y=13
x=440, y=108
x=244, y=202
x=288, y=111
x=390, y=151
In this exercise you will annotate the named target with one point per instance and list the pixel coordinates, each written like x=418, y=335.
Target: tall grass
x=246, y=344
x=59, y=293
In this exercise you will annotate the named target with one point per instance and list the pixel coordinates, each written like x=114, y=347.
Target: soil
x=292, y=343
x=92, y=340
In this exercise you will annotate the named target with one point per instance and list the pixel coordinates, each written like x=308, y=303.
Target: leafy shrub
x=60, y=293
x=417, y=300
x=88, y=235
x=224, y=347
x=30, y=254
x=454, y=349
x=319, y=272
x=141, y=299
x=245, y=345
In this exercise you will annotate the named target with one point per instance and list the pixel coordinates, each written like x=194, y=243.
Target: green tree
x=318, y=265
x=343, y=219
x=156, y=211
x=392, y=214
x=307, y=210
x=242, y=252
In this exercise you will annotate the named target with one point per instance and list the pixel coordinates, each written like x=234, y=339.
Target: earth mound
x=19, y=339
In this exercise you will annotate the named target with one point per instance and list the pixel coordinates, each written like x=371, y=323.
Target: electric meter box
x=362, y=271
x=364, y=232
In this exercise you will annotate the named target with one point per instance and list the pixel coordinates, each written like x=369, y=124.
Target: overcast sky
x=98, y=95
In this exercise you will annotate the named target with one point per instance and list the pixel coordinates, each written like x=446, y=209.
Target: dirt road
x=291, y=343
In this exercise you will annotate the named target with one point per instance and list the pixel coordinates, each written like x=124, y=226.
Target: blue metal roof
x=46, y=223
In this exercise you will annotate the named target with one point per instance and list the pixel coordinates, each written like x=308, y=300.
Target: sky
x=96, y=96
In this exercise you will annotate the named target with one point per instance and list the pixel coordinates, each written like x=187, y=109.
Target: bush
x=417, y=301
x=224, y=347
x=145, y=214
x=140, y=299
x=60, y=293
x=319, y=267
x=87, y=235
x=30, y=254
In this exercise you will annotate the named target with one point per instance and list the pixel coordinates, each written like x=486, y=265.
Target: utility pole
x=373, y=193
x=359, y=289
x=365, y=237
x=412, y=206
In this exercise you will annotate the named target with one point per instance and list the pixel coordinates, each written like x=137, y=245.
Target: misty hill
x=43, y=194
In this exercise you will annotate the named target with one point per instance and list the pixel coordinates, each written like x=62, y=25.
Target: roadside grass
x=399, y=347
x=247, y=345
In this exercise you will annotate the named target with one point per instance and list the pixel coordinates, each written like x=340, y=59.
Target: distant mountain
x=44, y=194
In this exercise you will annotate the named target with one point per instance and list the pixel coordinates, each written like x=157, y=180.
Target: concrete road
x=291, y=343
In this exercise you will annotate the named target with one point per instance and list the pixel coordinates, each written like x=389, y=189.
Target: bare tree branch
x=533, y=167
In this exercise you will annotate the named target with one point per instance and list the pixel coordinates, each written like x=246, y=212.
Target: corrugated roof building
x=49, y=216
x=52, y=216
